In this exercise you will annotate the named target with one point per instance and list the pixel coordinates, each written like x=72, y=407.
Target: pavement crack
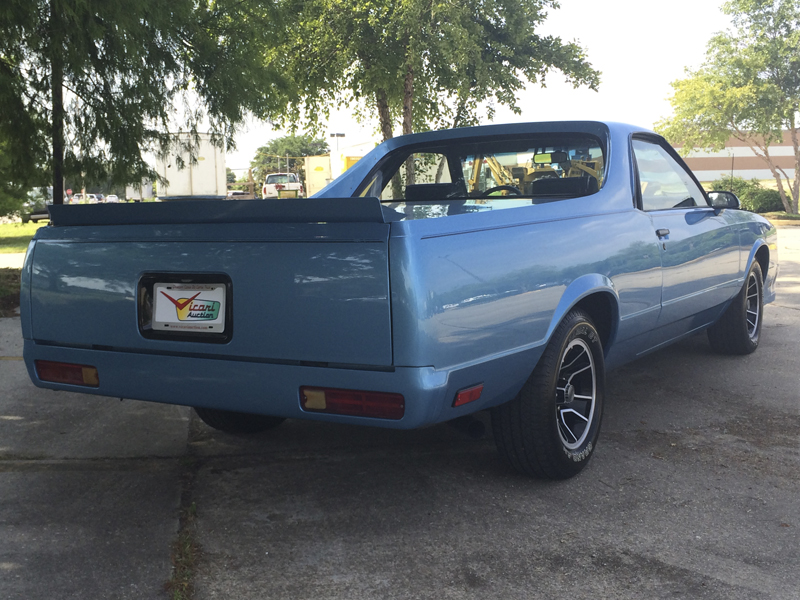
x=186, y=550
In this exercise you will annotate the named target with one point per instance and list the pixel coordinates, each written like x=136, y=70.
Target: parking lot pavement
x=90, y=489
x=693, y=493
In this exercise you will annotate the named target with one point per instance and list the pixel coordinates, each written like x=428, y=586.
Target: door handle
x=662, y=233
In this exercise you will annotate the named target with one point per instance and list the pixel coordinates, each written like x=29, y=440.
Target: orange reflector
x=58, y=372
x=468, y=395
x=356, y=403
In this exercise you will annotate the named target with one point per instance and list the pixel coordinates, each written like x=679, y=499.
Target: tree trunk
x=57, y=98
x=385, y=118
x=762, y=152
x=794, y=188
x=384, y=115
x=408, y=119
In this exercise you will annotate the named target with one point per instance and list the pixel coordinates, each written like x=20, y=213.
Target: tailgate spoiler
x=201, y=210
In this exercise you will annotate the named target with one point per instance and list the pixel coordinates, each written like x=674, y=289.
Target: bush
x=766, y=200
x=752, y=195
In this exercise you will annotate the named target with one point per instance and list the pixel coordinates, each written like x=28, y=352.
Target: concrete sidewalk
x=90, y=487
x=13, y=260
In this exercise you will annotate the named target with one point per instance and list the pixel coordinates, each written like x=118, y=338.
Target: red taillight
x=468, y=395
x=71, y=374
x=356, y=403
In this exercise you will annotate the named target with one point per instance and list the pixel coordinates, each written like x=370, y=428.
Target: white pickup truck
x=282, y=185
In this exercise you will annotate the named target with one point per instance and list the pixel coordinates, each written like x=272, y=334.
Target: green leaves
x=449, y=57
x=132, y=71
x=272, y=157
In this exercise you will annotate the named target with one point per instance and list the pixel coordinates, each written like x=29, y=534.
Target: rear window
x=272, y=179
x=488, y=175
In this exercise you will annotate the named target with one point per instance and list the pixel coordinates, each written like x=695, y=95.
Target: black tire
x=739, y=328
x=236, y=422
x=549, y=430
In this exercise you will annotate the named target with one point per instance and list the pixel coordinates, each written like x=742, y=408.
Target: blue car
x=502, y=268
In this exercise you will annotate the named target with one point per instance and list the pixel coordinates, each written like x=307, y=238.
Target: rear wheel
x=550, y=429
x=236, y=422
x=739, y=328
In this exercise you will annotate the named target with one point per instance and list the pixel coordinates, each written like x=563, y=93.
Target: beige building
x=737, y=158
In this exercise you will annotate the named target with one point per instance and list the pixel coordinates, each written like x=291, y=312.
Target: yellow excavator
x=541, y=165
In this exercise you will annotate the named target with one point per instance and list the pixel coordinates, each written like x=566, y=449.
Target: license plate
x=189, y=307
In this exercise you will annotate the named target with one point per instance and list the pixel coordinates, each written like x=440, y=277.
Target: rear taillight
x=355, y=403
x=58, y=372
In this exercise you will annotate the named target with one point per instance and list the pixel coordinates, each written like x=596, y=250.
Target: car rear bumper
x=261, y=387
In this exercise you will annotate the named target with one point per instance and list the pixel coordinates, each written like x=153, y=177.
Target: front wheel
x=550, y=429
x=739, y=328
x=235, y=422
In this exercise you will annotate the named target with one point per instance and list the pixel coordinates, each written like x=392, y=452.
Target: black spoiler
x=202, y=210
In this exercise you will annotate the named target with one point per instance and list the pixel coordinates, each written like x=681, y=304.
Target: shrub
x=752, y=195
x=766, y=200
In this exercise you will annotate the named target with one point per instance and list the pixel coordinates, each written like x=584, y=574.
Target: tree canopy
x=271, y=158
x=422, y=63
x=748, y=88
x=88, y=86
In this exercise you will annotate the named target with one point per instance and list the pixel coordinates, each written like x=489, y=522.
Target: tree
x=428, y=64
x=748, y=88
x=88, y=86
x=12, y=193
x=271, y=158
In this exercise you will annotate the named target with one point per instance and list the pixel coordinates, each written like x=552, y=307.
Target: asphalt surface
x=694, y=492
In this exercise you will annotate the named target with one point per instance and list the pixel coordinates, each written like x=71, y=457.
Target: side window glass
x=428, y=168
x=664, y=183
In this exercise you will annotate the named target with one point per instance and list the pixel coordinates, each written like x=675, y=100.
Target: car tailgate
x=299, y=292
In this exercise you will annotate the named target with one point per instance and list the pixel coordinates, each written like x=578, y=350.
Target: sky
x=640, y=46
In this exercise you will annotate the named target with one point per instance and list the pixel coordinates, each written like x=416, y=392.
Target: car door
x=700, y=251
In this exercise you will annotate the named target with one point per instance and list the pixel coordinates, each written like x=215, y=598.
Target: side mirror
x=723, y=200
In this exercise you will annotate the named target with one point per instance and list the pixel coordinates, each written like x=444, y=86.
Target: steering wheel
x=510, y=188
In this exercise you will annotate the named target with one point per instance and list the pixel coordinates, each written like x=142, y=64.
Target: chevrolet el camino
x=502, y=268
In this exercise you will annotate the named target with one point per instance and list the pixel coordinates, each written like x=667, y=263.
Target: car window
x=521, y=171
x=272, y=179
x=428, y=169
x=664, y=183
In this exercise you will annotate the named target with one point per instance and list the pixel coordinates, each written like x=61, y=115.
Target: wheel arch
x=596, y=295
x=760, y=252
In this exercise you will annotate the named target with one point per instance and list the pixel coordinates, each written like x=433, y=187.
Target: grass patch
x=14, y=237
x=9, y=291
x=781, y=216
x=185, y=552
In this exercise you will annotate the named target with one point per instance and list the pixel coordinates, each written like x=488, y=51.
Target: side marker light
x=468, y=395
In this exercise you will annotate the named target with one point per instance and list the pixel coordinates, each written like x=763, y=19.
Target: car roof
x=346, y=184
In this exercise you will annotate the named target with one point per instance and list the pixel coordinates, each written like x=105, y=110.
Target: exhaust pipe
x=470, y=426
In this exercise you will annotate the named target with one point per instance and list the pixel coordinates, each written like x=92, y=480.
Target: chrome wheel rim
x=753, y=306
x=576, y=394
